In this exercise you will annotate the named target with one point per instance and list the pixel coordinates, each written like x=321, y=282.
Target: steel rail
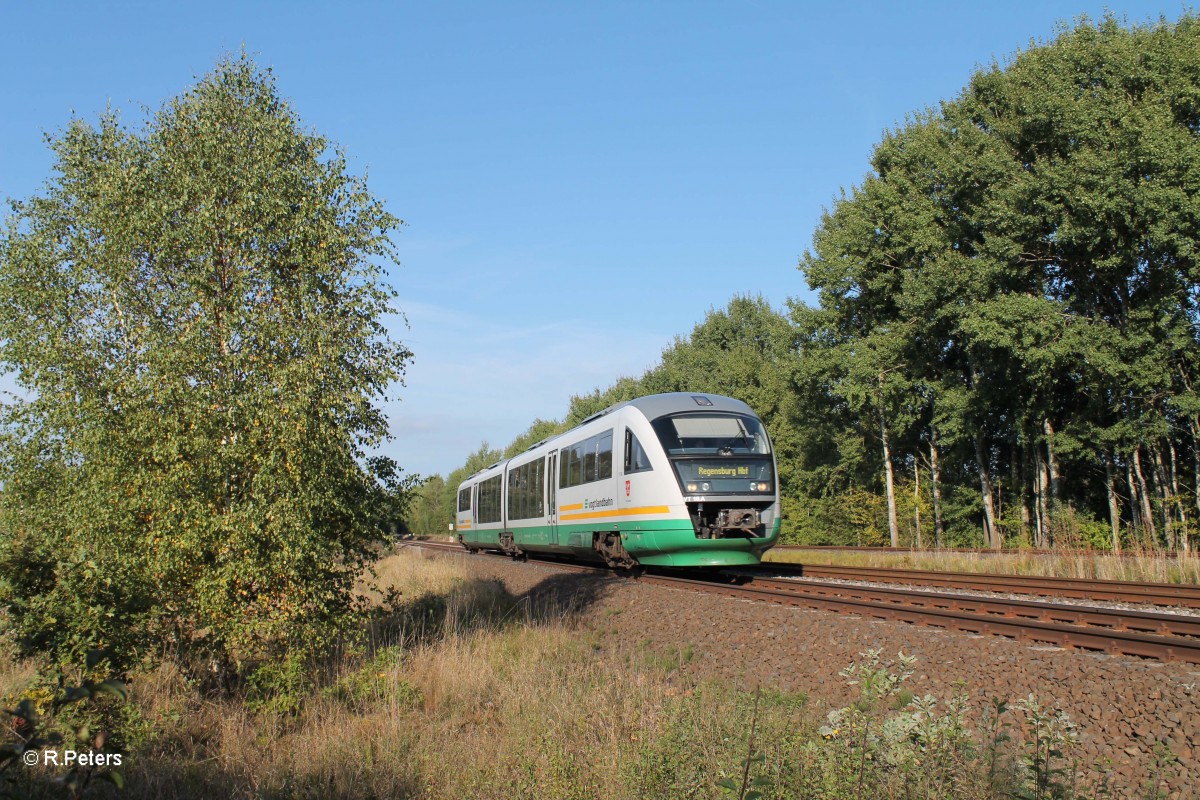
x=986, y=551
x=1159, y=594
x=1165, y=637
x=1061, y=613
x=1163, y=648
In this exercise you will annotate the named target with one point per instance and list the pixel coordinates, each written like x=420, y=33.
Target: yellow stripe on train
x=614, y=512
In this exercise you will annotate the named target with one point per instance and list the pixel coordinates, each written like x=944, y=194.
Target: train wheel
x=612, y=550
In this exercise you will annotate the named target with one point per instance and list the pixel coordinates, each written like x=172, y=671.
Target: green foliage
x=887, y=743
x=701, y=728
x=540, y=429
x=888, y=739
x=278, y=686
x=1015, y=283
x=195, y=312
x=282, y=687
x=426, y=515
x=78, y=717
x=377, y=680
x=1048, y=734
x=748, y=788
x=1163, y=757
x=666, y=660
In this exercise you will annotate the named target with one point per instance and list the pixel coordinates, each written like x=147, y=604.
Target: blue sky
x=581, y=182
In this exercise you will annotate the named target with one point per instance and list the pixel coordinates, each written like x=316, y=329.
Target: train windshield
x=712, y=435
x=718, y=453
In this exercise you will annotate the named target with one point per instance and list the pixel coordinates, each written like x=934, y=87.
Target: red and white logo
x=627, y=488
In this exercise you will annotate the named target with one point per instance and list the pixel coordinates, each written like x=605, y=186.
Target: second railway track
x=1156, y=594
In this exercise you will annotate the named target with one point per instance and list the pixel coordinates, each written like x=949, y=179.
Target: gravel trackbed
x=1123, y=706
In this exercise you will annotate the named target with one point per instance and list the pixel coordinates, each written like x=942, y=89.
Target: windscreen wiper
x=727, y=448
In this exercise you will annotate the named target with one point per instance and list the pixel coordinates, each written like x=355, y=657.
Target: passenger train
x=678, y=480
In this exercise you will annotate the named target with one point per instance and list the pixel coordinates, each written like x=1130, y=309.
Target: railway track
x=983, y=551
x=1161, y=636
x=1155, y=594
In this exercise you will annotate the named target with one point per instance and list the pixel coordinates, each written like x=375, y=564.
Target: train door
x=474, y=509
x=551, y=498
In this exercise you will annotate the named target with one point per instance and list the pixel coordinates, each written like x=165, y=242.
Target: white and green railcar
x=681, y=480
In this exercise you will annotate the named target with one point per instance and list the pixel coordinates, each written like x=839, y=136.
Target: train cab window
x=636, y=459
x=711, y=434
x=464, y=499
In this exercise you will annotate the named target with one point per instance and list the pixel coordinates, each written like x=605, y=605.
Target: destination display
x=725, y=475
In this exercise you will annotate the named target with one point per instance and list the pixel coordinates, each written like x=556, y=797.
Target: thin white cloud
x=474, y=380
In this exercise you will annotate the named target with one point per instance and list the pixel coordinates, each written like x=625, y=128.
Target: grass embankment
x=1140, y=566
x=466, y=691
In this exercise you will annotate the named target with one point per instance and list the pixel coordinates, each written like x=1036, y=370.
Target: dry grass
x=1134, y=567
x=434, y=708
x=413, y=572
x=15, y=674
x=466, y=691
x=492, y=699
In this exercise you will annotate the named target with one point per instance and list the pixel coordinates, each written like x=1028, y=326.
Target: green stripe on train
x=651, y=542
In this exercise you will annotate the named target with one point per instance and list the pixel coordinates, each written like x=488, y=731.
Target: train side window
x=604, y=456
x=589, y=462
x=464, y=499
x=516, y=493
x=586, y=461
x=575, y=465
x=636, y=459
x=489, y=501
x=525, y=490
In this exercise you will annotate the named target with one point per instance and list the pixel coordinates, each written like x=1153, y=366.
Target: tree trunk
x=935, y=476
x=1052, y=462
x=1196, y=458
x=1177, y=499
x=991, y=535
x=1042, y=482
x=917, y=500
x=1027, y=498
x=1144, y=493
x=1114, y=506
x=1015, y=493
x=1135, y=508
x=1158, y=476
x=890, y=480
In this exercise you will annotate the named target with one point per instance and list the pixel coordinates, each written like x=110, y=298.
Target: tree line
x=1004, y=352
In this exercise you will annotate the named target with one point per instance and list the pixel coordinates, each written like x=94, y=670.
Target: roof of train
x=653, y=406
x=656, y=405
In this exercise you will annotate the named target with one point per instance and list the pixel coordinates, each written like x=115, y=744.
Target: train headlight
x=761, y=486
x=704, y=487
x=691, y=487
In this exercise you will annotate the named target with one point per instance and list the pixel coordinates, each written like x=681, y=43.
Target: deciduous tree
x=195, y=312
